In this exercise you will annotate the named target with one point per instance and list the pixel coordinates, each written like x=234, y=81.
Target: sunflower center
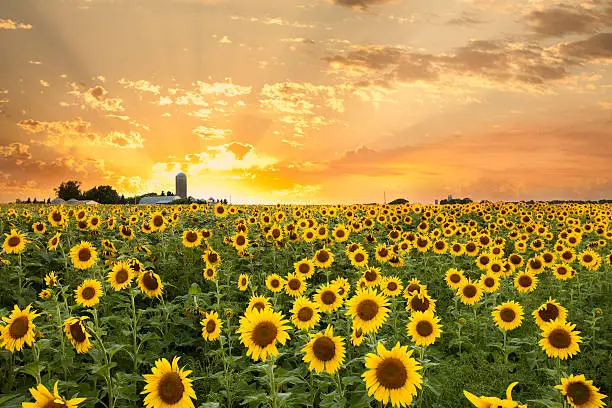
x=53, y=404
x=212, y=257
x=515, y=259
x=211, y=326
x=455, y=278
x=57, y=217
x=524, y=281
x=340, y=233
x=275, y=233
x=471, y=247
x=84, y=254
x=88, y=293
x=243, y=282
x=489, y=282
x=170, y=388
x=424, y=328
x=456, y=247
x=304, y=268
x=392, y=286
x=14, y=241
x=322, y=256
x=383, y=252
x=19, y=327
x=413, y=287
x=587, y=258
x=439, y=245
x=324, y=348
x=240, y=240
x=294, y=284
x=264, y=334
x=496, y=268
x=507, y=315
x=275, y=283
x=122, y=276
x=535, y=264
x=562, y=270
x=548, y=258
x=367, y=309
x=549, y=313
x=54, y=241
x=328, y=297
x=484, y=260
x=149, y=281
x=560, y=339
x=305, y=314
x=191, y=236
x=578, y=393
x=567, y=255
x=77, y=333
x=359, y=257
x=391, y=373
x=469, y=291
x=371, y=276
x=259, y=306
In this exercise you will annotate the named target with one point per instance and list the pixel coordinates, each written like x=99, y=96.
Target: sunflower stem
x=273, y=393
x=134, y=331
x=20, y=277
x=36, y=355
x=59, y=319
x=107, y=374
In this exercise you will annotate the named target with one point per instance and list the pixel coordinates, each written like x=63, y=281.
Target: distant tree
x=68, y=190
x=48, y=201
x=28, y=201
x=122, y=199
x=35, y=201
x=169, y=193
x=102, y=194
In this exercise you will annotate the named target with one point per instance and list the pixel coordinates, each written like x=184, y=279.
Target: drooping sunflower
x=258, y=303
x=304, y=268
x=243, y=282
x=392, y=375
x=525, y=282
x=15, y=242
x=54, y=241
x=83, y=255
x=294, y=285
x=191, y=238
x=391, y=286
x=168, y=386
x=260, y=330
x=580, y=392
x=323, y=258
x=274, y=283
x=150, y=283
x=356, y=337
x=549, y=311
x=211, y=326
x=454, y=278
x=486, y=402
x=489, y=282
x=324, y=352
x=44, y=399
x=19, y=329
x=424, y=328
x=50, y=279
x=328, y=298
x=368, y=309
x=304, y=313
x=120, y=277
x=470, y=292
x=560, y=340
x=508, y=315
x=76, y=333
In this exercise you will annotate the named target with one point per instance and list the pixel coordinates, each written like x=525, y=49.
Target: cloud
x=44, y=83
x=565, y=19
x=8, y=24
x=78, y=132
x=18, y=152
x=225, y=40
x=211, y=133
x=278, y=21
x=466, y=19
x=298, y=40
x=96, y=98
x=598, y=46
x=140, y=85
x=360, y=4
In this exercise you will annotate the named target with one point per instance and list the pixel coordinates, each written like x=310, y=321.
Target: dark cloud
x=239, y=149
x=465, y=19
x=595, y=47
x=566, y=19
x=360, y=4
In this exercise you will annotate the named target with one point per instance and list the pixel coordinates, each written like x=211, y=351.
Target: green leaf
x=194, y=289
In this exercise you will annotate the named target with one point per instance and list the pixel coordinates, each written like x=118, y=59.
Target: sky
x=309, y=101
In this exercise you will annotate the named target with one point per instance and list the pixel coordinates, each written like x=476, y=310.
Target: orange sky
x=311, y=101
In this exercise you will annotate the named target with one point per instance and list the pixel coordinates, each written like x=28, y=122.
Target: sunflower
x=454, y=278
x=323, y=258
x=580, y=392
x=457, y=249
x=54, y=241
x=508, y=315
x=382, y=253
x=212, y=258
x=240, y=241
x=191, y=238
x=563, y=271
x=420, y=302
x=549, y=311
x=120, y=277
x=590, y=260
x=45, y=294
x=259, y=303
x=535, y=265
x=324, y=351
x=424, y=328
x=243, y=282
x=168, y=386
x=44, y=399
x=483, y=261
x=340, y=233
x=88, y=293
x=83, y=255
x=516, y=260
x=274, y=283
x=567, y=255
x=294, y=285
x=368, y=309
x=39, y=227
x=356, y=337
x=486, y=402
x=489, y=282
x=260, y=330
x=304, y=313
x=359, y=257
x=79, y=337
x=309, y=235
x=328, y=298
x=211, y=326
x=14, y=243
x=391, y=286
x=372, y=276
x=470, y=292
x=560, y=340
x=304, y=268
x=413, y=287
x=209, y=273
x=525, y=282
x=51, y=279
x=392, y=375
x=150, y=283
x=343, y=286
x=19, y=330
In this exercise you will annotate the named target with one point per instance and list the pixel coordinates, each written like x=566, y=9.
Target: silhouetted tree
x=69, y=189
x=102, y=194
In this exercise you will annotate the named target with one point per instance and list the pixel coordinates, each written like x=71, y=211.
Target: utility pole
x=384, y=197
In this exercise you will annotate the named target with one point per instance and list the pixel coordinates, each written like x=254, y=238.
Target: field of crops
x=296, y=306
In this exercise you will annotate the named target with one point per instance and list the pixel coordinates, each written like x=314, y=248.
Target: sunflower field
x=487, y=305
